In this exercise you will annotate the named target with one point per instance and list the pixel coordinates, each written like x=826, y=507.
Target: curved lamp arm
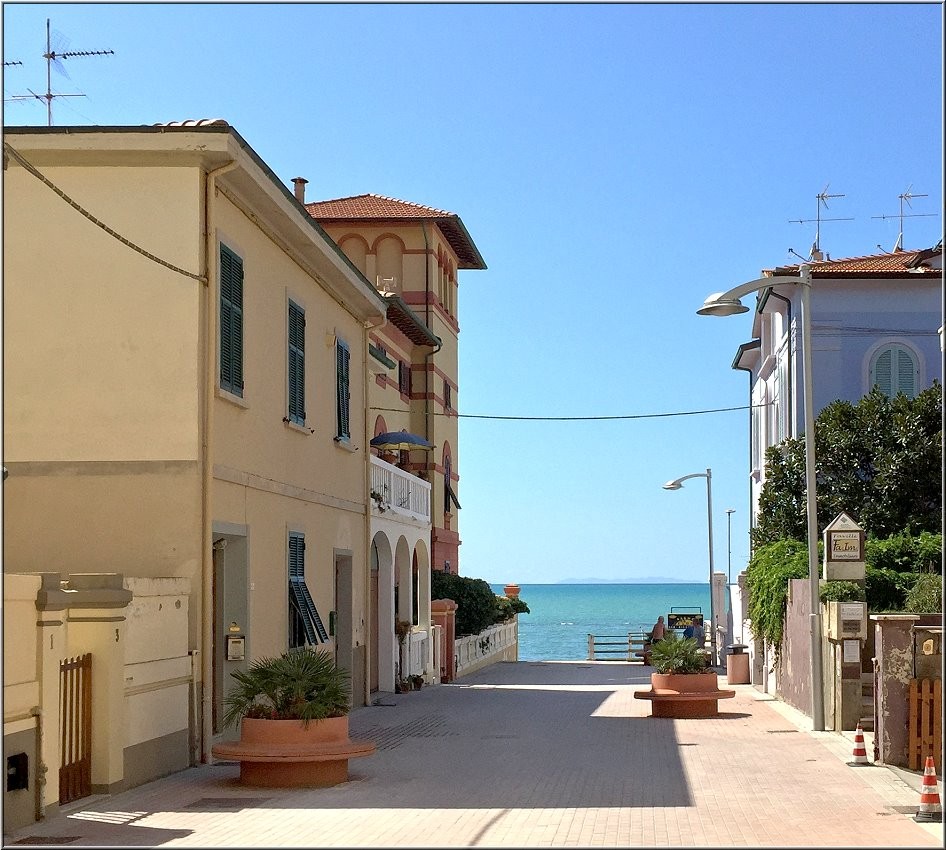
x=677, y=483
x=728, y=303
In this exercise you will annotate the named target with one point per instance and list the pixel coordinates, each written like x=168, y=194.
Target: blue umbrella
x=392, y=441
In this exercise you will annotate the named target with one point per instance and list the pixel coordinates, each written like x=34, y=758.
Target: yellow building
x=185, y=391
x=413, y=254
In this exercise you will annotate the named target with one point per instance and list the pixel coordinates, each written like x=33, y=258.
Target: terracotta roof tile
x=372, y=207
x=380, y=208
x=898, y=262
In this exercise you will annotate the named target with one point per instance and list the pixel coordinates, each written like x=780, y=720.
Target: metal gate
x=75, y=728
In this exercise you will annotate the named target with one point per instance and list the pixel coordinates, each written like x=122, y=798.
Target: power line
x=582, y=418
x=8, y=150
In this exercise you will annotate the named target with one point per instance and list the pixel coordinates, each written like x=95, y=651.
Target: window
x=305, y=625
x=447, y=395
x=231, y=322
x=296, y=364
x=404, y=377
x=342, y=391
x=449, y=497
x=894, y=370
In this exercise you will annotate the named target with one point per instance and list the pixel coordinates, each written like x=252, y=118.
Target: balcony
x=398, y=494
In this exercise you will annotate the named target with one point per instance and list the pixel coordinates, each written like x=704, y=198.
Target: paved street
x=536, y=754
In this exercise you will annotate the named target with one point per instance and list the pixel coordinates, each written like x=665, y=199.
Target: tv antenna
x=820, y=198
x=53, y=58
x=905, y=196
x=11, y=63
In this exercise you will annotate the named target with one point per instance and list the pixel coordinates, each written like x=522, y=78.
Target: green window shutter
x=231, y=322
x=296, y=364
x=895, y=371
x=883, y=373
x=906, y=373
x=305, y=624
x=342, y=393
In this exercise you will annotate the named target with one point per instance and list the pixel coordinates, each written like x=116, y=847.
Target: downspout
x=41, y=768
x=765, y=666
x=206, y=444
x=368, y=625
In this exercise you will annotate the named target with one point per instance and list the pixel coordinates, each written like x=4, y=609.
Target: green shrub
x=671, y=654
x=300, y=684
x=905, y=552
x=841, y=591
x=771, y=568
x=926, y=596
x=887, y=589
x=507, y=608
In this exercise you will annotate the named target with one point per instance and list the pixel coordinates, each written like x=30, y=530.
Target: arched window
x=894, y=369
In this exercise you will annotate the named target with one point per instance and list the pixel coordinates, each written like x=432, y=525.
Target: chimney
x=299, y=183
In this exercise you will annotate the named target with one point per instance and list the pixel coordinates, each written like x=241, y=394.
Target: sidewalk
x=534, y=754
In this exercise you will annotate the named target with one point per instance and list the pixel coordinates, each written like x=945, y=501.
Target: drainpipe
x=369, y=625
x=206, y=520
x=41, y=766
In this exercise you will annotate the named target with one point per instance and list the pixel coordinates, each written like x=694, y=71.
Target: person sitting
x=658, y=631
x=691, y=630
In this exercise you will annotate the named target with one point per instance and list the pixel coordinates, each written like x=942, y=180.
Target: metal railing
x=624, y=647
x=395, y=492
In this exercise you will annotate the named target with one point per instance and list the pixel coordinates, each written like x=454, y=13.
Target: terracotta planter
x=289, y=753
x=684, y=695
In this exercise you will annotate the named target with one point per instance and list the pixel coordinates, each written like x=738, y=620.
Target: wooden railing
x=926, y=723
x=625, y=647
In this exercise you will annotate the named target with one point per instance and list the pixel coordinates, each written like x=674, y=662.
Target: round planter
x=684, y=695
x=684, y=683
x=291, y=753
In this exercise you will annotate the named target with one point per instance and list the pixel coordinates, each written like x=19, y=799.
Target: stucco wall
x=794, y=679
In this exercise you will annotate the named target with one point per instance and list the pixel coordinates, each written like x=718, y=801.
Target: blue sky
x=614, y=163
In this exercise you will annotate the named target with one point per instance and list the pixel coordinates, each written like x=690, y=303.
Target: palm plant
x=671, y=654
x=300, y=684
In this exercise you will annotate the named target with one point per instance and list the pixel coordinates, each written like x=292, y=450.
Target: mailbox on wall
x=847, y=620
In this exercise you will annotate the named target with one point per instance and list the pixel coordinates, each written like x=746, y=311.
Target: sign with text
x=681, y=621
x=843, y=550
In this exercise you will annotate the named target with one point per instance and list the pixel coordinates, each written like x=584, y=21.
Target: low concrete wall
x=894, y=667
x=497, y=643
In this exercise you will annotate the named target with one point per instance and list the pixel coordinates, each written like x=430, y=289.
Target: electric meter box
x=847, y=620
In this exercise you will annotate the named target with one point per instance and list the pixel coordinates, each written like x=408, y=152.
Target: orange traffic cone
x=930, y=810
x=860, y=751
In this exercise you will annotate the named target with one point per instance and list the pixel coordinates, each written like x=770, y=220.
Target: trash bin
x=737, y=664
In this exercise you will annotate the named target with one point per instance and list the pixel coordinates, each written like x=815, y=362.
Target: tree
x=879, y=460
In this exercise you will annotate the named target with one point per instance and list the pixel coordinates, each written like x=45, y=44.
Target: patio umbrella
x=393, y=441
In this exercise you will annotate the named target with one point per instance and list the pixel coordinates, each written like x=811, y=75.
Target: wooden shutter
x=883, y=372
x=343, y=394
x=296, y=364
x=305, y=624
x=906, y=373
x=231, y=321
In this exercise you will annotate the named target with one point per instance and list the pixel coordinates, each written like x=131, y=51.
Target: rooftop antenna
x=821, y=198
x=905, y=196
x=11, y=63
x=53, y=58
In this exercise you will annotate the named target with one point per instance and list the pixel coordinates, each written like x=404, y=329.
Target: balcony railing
x=395, y=492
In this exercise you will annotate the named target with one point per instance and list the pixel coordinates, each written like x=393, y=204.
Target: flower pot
x=291, y=753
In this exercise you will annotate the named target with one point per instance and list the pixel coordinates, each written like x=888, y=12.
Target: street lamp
x=729, y=513
x=676, y=484
x=728, y=304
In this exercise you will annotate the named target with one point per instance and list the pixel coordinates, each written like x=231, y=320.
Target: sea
x=561, y=616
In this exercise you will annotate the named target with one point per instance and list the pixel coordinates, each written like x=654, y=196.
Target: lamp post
x=676, y=484
x=729, y=513
x=728, y=304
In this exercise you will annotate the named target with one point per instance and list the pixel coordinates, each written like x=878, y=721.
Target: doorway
x=230, y=618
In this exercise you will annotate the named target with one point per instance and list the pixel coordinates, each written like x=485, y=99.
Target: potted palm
x=293, y=715
x=682, y=684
